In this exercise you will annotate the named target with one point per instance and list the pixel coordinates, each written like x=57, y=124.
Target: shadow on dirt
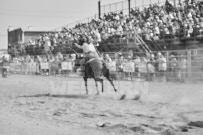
x=56, y=96
x=196, y=124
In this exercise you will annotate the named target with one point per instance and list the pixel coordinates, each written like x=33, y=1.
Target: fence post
x=129, y=6
x=116, y=7
x=99, y=9
x=50, y=68
x=189, y=63
x=167, y=64
x=143, y=4
x=175, y=3
x=122, y=6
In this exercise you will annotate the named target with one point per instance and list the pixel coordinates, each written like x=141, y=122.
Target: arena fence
x=182, y=65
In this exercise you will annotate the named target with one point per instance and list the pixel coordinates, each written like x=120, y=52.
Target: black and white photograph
x=101, y=67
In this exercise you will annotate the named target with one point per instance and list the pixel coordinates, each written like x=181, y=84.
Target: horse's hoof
x=123, y=97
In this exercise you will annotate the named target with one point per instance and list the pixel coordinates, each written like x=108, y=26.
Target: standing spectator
x=172, y=66
x=137, y=63
x=143, y=67
x=38, y=61
x=162, y=65
x=151, y=67
x=182, y=68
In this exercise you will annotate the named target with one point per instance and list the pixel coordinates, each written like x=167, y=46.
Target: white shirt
x=117, y=17
x=88, y=47
x=98, y=36
x=162, y=64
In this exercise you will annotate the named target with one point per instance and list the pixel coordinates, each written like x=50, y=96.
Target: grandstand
x=156, y=27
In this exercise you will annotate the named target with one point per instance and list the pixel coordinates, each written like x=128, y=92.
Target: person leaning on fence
x=65, y=70
x=137, y=63
x=151, y=67
x=45, y=71
x=120, y=63
x=107, y=60
x=128, y=75
x=143, y=67
x=38, y=60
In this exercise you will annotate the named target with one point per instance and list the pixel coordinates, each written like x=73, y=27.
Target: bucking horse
x=96, y=69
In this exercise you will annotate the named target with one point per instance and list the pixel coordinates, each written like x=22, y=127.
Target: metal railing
x=182, y=65
x=124, y=5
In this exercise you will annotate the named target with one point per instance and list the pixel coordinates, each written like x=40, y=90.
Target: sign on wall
x=66, y=66
x=129, y=67
x=44, y=65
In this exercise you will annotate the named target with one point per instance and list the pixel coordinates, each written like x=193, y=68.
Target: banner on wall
x=32, y=67
x=129, y=67
x=142, y=67
x=66, y=66
x=15, y=67
x=44, y=65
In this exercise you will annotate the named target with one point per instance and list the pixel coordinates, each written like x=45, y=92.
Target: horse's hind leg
x=97, y=87
x=85, y=79
x=102, y=83
x=111, y=81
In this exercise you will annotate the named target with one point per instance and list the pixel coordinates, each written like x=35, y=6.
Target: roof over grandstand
x=31, y=30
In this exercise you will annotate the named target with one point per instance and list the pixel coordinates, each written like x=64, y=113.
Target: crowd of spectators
x=183, y=20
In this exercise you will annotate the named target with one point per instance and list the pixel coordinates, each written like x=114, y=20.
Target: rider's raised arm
x=78, y=46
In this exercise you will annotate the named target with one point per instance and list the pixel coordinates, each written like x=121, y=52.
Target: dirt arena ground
x=31, y=105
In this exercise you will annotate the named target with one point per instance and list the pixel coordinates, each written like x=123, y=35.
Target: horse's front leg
x=85, y=79
x=102, y=83
x=111, y=82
